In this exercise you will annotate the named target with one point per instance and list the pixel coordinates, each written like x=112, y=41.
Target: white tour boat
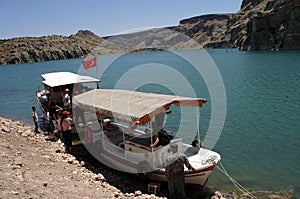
x=55, y=85
x=120, y=133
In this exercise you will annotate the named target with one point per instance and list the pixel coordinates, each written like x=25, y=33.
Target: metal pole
x=198, y=125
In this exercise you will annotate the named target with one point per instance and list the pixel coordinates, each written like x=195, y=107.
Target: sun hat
x=65, y=113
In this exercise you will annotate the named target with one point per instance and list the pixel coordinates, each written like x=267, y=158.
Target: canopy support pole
x=171, y=125
x=198, y=126
x=151, y=130
x=101, y=126
x=151, y=140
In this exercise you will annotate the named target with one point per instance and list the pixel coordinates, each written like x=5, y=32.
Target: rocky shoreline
x=35, y=166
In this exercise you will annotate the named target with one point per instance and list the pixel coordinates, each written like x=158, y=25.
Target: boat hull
x=197, y=178
x=119, y=159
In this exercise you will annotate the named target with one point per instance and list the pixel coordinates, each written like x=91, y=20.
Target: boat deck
x=114, y=133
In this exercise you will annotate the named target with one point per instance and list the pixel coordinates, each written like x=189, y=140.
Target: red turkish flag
x=90, y=63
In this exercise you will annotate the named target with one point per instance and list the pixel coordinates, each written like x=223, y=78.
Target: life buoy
x=88, y=135
x=144, y=170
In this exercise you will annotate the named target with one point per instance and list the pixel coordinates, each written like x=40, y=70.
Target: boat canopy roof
x=130, y=106
x=65, y=78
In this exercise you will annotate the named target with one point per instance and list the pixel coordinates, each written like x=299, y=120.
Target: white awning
x=65, y=78
x=130, y=106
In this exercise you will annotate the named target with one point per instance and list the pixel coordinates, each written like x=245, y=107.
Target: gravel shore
x=35, y=166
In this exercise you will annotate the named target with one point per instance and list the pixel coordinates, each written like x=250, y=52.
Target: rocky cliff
x=276, y=27
x=258, y=25
x=211, y=31
x=35, y=49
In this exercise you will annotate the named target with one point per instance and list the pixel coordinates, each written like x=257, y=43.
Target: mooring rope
x=235, y=183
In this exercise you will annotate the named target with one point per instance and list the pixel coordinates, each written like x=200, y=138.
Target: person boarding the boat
x=175, y=172
x=53, y=113
x=66, y=131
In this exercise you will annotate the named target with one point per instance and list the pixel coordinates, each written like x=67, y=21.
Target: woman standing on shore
x=65, y=124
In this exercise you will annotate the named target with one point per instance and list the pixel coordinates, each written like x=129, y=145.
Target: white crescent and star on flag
x=92, y=63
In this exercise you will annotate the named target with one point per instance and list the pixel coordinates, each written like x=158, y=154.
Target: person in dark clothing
x=53, y=112
x=161, y=136
x=175, y=173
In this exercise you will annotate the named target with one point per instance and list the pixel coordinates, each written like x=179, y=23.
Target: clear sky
x=19, y=18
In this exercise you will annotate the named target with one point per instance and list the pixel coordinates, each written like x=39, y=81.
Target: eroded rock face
x=259, y=25
x=279, y=28
x=209, y=30
x=37, y=49
x=248, y=4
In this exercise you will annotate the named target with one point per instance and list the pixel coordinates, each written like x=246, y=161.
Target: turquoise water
x=259, y=143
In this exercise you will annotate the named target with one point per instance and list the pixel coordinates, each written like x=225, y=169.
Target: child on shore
x=35, y=119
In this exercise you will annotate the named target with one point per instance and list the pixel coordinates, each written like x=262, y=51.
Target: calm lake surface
x=259, y=143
